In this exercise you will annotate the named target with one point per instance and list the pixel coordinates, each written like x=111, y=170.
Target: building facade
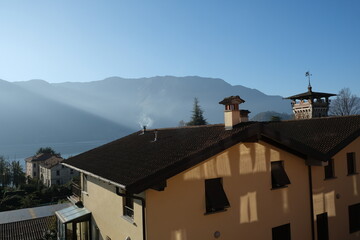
x=251, y=180
x=53, y=173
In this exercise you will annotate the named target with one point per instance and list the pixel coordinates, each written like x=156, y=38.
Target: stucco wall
x=107, y=211
x=178, y=212
x=335, y=195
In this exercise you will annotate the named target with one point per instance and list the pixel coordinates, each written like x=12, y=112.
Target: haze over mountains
x=37, y=111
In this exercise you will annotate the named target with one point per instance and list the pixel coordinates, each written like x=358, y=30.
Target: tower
x=232, y=114
x=310, y=104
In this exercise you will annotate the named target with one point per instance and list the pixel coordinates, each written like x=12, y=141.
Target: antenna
x=308, y=75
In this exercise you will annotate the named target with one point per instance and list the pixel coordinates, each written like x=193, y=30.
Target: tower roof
x=232, y=100
x=310, y=94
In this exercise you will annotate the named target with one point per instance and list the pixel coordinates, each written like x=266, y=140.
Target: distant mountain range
x=38, y=111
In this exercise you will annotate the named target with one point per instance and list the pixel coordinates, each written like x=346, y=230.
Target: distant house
x=279, y=180
x=33, y=164
x=48, y=169
x=53, y=173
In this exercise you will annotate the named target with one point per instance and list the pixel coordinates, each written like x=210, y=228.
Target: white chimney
x=232, y=114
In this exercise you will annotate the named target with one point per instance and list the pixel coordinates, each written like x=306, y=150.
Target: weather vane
x=308, y=75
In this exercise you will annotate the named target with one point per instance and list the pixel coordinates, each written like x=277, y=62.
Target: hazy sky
x=268, y=45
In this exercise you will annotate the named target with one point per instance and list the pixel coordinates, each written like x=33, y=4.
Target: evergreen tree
x=17, y=174
x=197, y=116
x=5, y=173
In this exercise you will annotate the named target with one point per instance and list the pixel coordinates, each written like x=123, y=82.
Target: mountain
x=36, y=110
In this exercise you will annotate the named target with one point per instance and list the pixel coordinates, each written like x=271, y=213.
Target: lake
x=18, y=152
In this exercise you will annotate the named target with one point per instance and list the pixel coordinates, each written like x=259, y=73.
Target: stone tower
x=310, y=104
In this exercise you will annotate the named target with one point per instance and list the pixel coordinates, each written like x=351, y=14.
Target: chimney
x=232, y=114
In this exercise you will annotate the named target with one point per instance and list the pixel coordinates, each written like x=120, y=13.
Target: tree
x=197, y=116
x=47, y=150
x=345, y=103
x=5, y=173
x=17, y=174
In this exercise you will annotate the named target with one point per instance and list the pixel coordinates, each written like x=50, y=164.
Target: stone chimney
x=232, y=114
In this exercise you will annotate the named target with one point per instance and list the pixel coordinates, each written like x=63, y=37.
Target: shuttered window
x=354, y=218
x=279, y=178
x=282, y=232
x=215, y=195
x=351, y=163
x=329, y=169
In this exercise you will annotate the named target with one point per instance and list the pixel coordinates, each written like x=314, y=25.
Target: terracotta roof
x=137, y=162
x=26, y=230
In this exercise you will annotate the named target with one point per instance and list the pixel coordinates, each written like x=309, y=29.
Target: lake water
x=22, y=151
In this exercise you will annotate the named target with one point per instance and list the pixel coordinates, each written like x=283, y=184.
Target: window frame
x=329, y=170
x=84, y=184
x=351, y=163
x=279, y=177
x=215, y=195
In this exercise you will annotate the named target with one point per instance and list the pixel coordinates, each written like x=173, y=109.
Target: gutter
x=311, y=204
x=142, y=207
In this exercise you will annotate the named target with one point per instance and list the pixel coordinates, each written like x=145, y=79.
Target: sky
x=267, y=45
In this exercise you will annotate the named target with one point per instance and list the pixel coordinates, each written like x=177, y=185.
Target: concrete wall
x=335, y=195
x=107, y=211
x=178, y=212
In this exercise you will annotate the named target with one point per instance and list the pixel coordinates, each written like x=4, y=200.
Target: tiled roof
x=325, y=135
x=39, y=157
x=49, y=163
x=137, y=162
x=26, y=230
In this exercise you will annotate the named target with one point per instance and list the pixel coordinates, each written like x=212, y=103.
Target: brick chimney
x=232, y=114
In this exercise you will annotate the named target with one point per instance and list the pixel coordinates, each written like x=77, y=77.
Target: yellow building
x=239, y=180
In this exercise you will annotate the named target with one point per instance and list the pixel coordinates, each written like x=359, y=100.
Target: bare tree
x=345, y=103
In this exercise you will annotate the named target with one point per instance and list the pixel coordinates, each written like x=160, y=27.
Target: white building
x=53, y=173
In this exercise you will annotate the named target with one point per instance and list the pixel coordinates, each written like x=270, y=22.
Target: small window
x=354, y=218
x=281, y=232
x=128, y=207
x=71, y=171
x=85, y=183
x=34, y=164
x=62, y=166
x=34, y=174
x=329, y=169
x=215, y=195
x=58, y=182
x=57, y=173
x=351, y=163
x=279, y=178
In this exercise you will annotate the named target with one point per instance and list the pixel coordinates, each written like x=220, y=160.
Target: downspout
x=311, y=203
x=142, y=207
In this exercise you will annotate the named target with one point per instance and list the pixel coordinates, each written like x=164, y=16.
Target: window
x=322, y=226
x=57, y=173
x=58, y=182
x=281, y=232
x=351, y=163
x=85, y=183
x=279, y=178
x=34, y=164
x=329, y=169
x=128, y=204
x=216, y=199
x=34, y=174
x=71, y=171
x=354, y=218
